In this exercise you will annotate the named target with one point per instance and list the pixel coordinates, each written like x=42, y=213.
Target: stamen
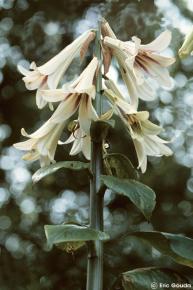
x=134, y=122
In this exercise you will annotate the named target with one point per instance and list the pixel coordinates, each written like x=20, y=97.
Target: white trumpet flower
x=42, y=143
x=48, y=75
x=145, y=60
x=81, y=142
x=143, y=132
x=143, y=91
x=76, y=96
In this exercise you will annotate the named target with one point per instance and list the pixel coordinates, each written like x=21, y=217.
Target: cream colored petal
x=110, y=84
x=141, y=156
x=33, y=83
x=129, y=61
x=132, y=86
x=44, y=161
x=87, y=76
x=55, y=95
x=151, y=147
x=154, y=148
x=67, y=54
x=66, y=109
x=160, y=140
x=69, y=140
x=41, y=103
x=163, y=60
x=76, y=147
x=137, y=42
x=126, y=107
x=25, y=145
x=108, y=115
x=160, y=43
x=113, y=43
x=149, y=128
x=53, y=140
x=41, y=132
x=55, y=77
x=142, y=115
x=146, y=91
x=139, y=74
x=33, y=66
x=160, y=74
x=41, y=145
x=86, y=147
x=85, y=45
x=165, y=150
x=87, y=113
x=31, y=156
x=23, y=70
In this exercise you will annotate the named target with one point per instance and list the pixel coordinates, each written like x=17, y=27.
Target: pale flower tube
x=42, y=143
x=143, y=132
x=48, y=75
x=77, y=96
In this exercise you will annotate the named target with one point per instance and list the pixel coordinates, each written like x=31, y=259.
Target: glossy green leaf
x=119, y=165
x=152, y=278
x=47, y=170
x=179, y=248
x=142, y=196
x=71, y=236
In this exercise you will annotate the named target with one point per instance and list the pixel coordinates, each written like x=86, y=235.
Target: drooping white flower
x=143, y=132
x=143, y=91
x=77, y=96
x=48, y=76
x=145, y=60
x=81, y=142
x=42, y=143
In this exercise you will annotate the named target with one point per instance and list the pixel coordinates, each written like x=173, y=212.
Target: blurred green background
x=36, y=30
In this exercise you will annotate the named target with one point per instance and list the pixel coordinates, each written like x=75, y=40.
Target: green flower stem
x=95, y=249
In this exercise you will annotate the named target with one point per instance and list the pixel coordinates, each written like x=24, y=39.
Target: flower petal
x=110, y=84
x=66, y=109
x=160, y=43
x=163, y=60
x=33, y=82
x=86, y=147
x=25, y=145
x=87, y=76
x=55, y=95
x=23, y=70
x=41, y=103
x=70, y=139
x=67, y=54
x=77, y=146
x=141, y=156
x=161, y=75
x=87, y=113
x=149, y=128
x=42, y=131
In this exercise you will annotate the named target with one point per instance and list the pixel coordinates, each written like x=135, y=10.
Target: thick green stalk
x=95, y=249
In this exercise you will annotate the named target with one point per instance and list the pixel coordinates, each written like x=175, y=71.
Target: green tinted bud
x=187, y=46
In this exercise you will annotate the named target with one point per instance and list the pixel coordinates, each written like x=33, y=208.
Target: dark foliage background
x=36, y=30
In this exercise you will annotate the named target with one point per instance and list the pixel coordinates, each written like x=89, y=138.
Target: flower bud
x=187, y=47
